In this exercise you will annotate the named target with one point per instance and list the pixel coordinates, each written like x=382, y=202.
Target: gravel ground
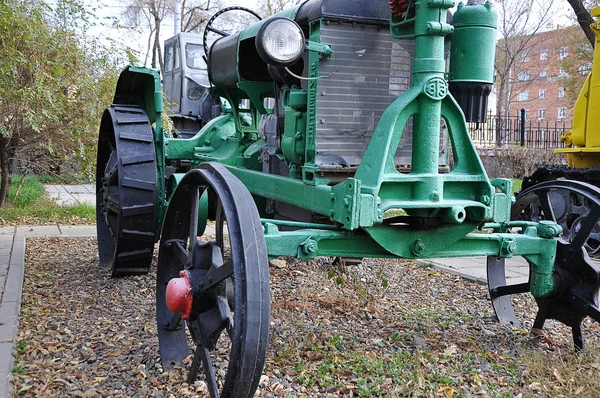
x=384, y=328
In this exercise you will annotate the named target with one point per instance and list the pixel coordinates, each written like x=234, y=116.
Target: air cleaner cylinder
x=472, y=54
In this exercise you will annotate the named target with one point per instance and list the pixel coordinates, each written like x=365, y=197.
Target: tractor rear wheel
x=219, y=287
x=126, y=195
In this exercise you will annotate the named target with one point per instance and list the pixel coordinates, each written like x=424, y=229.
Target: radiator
x=367, y=71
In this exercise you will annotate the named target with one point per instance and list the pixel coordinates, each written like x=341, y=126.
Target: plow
x=335, y=129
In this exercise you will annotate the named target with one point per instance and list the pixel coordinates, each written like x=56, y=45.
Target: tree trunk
x=156, y=51
x=500, y=102
x=5, y=171
x=584, y=18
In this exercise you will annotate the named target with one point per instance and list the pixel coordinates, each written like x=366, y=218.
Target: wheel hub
x=179, y=295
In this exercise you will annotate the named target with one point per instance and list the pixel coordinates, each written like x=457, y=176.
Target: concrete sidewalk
x=12, y=270
x=69, y=195
x=474, y=268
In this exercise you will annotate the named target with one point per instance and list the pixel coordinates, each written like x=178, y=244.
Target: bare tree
x=270, y=7
x=195, y=13
x=149, y=14
x=520, y=21
x=584, y=18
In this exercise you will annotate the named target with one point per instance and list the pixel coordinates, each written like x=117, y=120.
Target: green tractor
x=333, y=128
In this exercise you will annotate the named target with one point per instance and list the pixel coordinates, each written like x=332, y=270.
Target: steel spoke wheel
x=126, y=195
x=217, y=289
x=577, y=276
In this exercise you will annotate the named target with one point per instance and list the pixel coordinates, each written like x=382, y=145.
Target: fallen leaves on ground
x=382, y=328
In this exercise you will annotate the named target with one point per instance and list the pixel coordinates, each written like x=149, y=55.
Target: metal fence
x=504, y=132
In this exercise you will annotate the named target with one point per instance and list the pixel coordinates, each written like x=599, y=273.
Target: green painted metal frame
x=463, y=199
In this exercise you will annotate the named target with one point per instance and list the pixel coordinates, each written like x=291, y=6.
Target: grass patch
x=517, y=184
x=33, y=206
x=48, y=213
x=67, y=179
x=30, y=194
x=563, y=374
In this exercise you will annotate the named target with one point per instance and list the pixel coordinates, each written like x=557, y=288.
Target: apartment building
x=543, y=74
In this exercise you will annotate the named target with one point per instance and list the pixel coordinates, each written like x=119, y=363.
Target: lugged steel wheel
x=126, y=196
x=577, y=276
x=219, y=287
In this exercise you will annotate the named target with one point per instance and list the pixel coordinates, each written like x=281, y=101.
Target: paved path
x=474, y=268
x=12, y=262
x=68, y=195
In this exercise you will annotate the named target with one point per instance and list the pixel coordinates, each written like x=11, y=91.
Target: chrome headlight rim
x=267, y=55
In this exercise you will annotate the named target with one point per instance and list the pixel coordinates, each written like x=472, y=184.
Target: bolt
x=309, y=246
x=347, y=202
x=418, y=247
x=435, y=197
x=508, y=247
x=485, y=199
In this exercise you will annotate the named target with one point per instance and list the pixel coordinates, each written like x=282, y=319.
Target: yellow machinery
x=582, y=143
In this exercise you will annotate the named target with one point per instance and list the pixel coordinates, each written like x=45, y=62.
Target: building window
x=562, y=72
x=543, y=73
x=563, y=53
x=523, y=96
x=525, y=57
x=543, y=55
x=526, y=114
x=562, y=113
x=542, y=94
x=561, y=92
x=541, y=114
x=585, y=69
x=523, y=76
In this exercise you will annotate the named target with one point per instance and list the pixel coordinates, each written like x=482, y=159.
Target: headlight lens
x=280, y=42
x=194, y=90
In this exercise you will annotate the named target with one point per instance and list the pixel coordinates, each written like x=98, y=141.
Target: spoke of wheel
x=218, y=275
x=577, y=337
x=546, y=207
x=112, y=167
x=210, y=324
x=219, y=226
x=217, y=31
x=195, y=366
x=510, y=289
x=194, y=218
x=211, y=383
x=113, y=203
x=586, y=228
x=180, y=252
x=541, y=317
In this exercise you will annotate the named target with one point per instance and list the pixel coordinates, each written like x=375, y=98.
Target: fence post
x=522, y=126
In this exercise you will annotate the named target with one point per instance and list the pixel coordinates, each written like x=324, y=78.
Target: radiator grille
x=368, y=70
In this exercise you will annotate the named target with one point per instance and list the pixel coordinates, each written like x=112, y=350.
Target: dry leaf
x=559, y=377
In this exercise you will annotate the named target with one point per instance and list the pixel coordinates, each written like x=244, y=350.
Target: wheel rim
x=577, y=275
x=236, y=323
x=126, y=194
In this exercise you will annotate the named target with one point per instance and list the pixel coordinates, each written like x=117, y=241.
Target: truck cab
x=185, y=82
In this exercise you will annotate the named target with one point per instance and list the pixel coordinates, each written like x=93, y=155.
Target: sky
x=108, y=11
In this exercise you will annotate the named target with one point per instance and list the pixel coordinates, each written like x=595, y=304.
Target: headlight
x=280, y=42
x=194, y=90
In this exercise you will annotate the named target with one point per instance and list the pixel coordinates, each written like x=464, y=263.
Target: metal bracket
x=321, y=48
